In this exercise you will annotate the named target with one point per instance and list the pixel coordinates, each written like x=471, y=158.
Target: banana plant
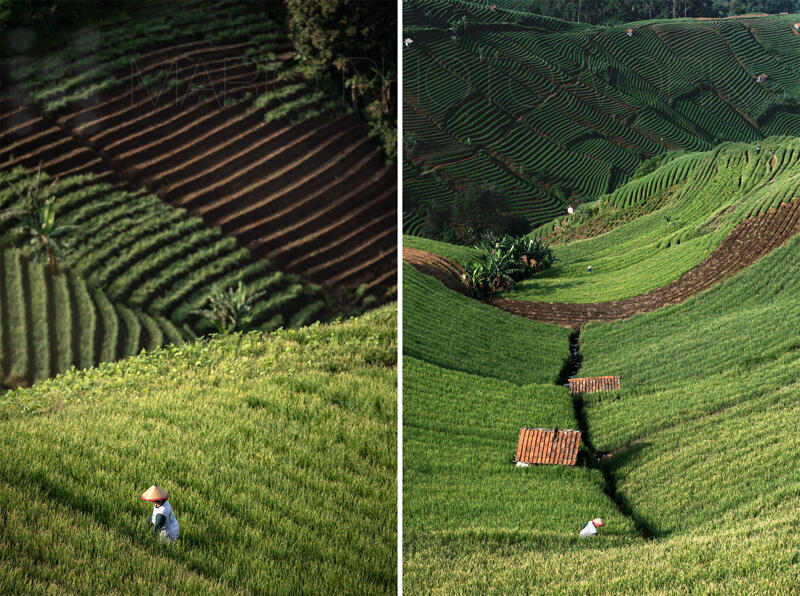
x=34, y=222
x=230, y=310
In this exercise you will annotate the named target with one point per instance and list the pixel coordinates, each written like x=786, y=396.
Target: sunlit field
x=279, y=453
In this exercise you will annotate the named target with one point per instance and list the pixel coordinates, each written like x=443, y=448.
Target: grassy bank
x=279, y=452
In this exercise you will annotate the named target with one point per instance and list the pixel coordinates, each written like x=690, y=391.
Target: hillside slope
x=204, y=105
x=696, y=446
x=279, y=452
x=543, y=107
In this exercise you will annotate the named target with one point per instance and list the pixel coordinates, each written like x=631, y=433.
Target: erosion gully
x=596, y=460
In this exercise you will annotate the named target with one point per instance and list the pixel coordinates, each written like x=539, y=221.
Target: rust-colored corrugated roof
x=546, y=446
x=592, y=384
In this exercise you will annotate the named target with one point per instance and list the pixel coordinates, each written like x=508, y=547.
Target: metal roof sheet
x=548, y=446
x=593, y=384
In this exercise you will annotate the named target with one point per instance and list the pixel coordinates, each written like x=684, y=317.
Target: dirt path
x=748, y=242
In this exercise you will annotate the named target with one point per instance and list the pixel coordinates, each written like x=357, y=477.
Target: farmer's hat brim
x=598, y=521
x=155, y=493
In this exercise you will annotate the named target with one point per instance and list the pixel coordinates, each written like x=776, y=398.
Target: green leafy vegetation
x=459, y=333
x=355, y=42
x=230, y=310
x=503, y=262
x=152, y=257
x=481, y=209
x=279, y=453
x=557, y=113
x=34, y=220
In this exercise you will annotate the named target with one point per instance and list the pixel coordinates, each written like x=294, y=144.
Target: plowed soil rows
x=221, y=161
x=446, y=271
x=748, y=242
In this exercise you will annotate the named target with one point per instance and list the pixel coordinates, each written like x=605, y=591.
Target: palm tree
x=34, y=221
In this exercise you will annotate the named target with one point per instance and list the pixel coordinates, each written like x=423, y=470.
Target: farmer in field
x=590, y=529
x=165, y=526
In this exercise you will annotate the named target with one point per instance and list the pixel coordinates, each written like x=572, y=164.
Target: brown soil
x=748, y=242
x=315, y=196
x=446, y=271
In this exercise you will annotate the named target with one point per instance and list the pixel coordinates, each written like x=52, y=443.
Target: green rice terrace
x=691, y=301
x=560, y=113
x=279, y=452
x=190, y=148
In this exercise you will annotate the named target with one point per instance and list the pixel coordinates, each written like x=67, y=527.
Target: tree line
x=612, y=12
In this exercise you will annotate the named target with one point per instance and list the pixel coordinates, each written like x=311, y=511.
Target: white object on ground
x=408, y=41
x=589, y=530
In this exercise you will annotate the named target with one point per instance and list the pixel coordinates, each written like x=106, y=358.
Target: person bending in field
x=165, y=525
x=590, y=529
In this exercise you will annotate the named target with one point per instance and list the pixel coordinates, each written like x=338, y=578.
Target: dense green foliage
x=554, y=112
x=279, y=453
x=502, y=262
x=481, y=209
x=33, y=222
x=355, y=41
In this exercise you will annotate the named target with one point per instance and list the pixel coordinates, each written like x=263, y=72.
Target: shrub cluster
x=503, y=262
x=483, y=208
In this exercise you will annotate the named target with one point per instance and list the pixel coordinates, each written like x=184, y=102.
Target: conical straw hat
x=155, y=493
x=598, y=521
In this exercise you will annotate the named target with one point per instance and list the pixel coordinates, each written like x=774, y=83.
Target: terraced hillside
x=50, y=323
x=697, y=219
x=693, y=449
x=204, y=105
x=145, y=267
x=548, y=109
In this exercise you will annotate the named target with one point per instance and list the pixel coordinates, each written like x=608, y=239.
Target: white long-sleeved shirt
x=589, y=530
x=171, y=525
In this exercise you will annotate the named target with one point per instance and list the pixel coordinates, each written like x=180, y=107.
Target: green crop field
x=692, y=463
x=136, y=271
x=279, y=453
x=700, y=197
x=703, y=454
x=192, y=148
x=553, y=111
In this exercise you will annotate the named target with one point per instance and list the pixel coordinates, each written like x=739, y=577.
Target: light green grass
x=708, y=398
x=459, y=333
x=472, y=377
x=279, y=452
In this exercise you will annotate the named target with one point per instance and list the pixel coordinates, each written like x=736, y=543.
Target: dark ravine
x=594, y=460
